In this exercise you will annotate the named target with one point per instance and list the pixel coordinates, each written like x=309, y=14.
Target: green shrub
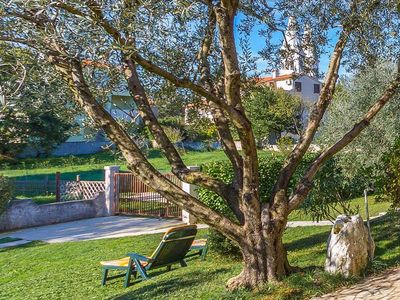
x=331, y=188
x=5, y=193
x=285, y=144
x=388, y=183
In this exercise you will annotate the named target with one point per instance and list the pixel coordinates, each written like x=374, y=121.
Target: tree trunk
x=264, y=260
x=277, y=262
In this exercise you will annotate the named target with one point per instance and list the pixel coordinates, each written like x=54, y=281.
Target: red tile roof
x=277, y=78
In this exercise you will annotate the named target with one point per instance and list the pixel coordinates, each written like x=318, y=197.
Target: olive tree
x=192, y=45
x=352, y=98
x=32, y=106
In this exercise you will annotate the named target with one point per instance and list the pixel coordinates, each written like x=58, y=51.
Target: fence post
x=192, y=190
x=46, y=180
x=110, y=184
x=58, y=189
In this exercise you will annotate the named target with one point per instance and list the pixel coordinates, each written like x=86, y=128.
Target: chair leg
x=128, y=277
x=203, y=253
x=141, y=270
x=104, y=279
x=183, y=263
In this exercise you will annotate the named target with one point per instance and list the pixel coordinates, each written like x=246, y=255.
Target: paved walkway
x=308, y=223
x=383, y=287
x=91, y=229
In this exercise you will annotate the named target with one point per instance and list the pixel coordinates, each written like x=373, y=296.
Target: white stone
x=350, y=246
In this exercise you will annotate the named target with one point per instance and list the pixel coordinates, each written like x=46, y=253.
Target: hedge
x=6, y=192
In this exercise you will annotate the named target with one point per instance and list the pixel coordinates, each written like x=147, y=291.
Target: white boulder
x=350, y=246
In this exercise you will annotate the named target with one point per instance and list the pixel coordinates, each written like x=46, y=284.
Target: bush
x=5, y=192
x=389, y=181
x=331, y=189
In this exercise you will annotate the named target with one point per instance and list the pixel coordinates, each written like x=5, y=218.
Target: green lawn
x=71, y=270
x=357, y=204
x=41, y=199
x=91, y=167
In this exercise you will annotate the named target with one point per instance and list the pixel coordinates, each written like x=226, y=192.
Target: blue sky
x=258, y=43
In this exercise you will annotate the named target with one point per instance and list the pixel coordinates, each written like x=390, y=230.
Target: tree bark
x=264, y=259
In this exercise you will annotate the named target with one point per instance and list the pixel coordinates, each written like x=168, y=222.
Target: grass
x=40, y=199
x=91, y=167
x=71, y=270
x=357, y=204
x=8, y=240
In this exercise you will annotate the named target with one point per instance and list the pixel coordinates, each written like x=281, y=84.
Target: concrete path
x=308, y=223
x=91, y=229
x=383, y=287
x=323, y=223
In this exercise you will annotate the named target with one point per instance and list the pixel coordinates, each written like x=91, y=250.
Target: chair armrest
x=138, y=257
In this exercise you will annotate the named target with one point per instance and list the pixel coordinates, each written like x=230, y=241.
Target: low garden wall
x=25, y=213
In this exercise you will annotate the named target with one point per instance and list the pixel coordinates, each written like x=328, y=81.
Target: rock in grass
x=350, y=246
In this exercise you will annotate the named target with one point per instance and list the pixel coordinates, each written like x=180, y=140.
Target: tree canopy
x=272, y=112
x=352, y=98
x=34, y=110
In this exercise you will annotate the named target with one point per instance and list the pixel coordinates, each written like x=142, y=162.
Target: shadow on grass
x=308, y=242
x=160, y=287
x=386, y=233
x=24, y=246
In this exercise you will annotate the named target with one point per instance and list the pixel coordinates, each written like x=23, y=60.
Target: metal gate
x=134, y=197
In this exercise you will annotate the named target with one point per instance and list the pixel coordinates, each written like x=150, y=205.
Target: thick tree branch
x=221, y=122
x=71, y=71
x=205, y=78
x=225, y=14
x=304, y=187
x=140, y=97
x=178, y=166
x=249, y=203
x=137, y=163
x=316, y=115
x=350, y=24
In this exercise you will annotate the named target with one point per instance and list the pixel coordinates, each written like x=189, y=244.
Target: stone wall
x=25, y=213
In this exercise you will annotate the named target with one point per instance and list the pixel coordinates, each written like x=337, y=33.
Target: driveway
x=92, y=229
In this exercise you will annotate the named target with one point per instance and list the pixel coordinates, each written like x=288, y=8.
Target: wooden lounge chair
x=172, y=249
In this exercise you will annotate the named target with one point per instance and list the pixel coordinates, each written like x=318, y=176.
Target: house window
x=297, y=86
x=317, y=88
